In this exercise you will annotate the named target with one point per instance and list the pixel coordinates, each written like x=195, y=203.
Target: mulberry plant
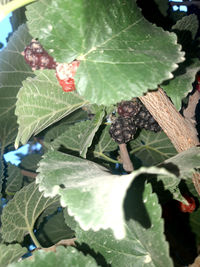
x=111, y=94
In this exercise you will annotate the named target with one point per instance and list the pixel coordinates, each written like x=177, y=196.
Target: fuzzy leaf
x=152, y=148
x=93, y=195
x=13, y=70
x=20, y=214
x=62, y=257
x=145, y=244
x=116, y=45
x=10, y=253
x=41, y=102
x=79, y=137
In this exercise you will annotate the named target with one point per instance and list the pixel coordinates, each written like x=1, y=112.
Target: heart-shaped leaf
x=93, y=195
x=41, y=102
x=121, y=53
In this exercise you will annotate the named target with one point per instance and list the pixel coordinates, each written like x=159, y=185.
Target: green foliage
x=117, y=47
x=143, y=241
x=10, y=253
x=62, y=257
x=80, y=189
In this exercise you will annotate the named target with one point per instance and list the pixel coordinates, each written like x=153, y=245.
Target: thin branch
x=28, y=173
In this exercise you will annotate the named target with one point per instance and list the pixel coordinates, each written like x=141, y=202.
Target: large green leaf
x=145, y=243
x=10, y=253
x=41, y=102
x=13, y=70
x=20, y=214
x=79, y=137
x=62, y=257
x=152, y=148
x=121, y=53
x=93, y=195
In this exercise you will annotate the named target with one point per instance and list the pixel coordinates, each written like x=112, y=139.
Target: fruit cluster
x=133, y=115
x=35, y=56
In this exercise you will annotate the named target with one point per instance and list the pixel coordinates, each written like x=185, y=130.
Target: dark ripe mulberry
x=122, y=130
x=129, y=108
x=35, y=55
x=144, y=120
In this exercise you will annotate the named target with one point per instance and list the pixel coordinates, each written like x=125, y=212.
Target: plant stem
x=127, y=164
x=33, y=237
x=11, y=6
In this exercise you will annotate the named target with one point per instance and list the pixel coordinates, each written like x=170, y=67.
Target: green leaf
x=57, y=129
x=117, y=47
x=104, y=143
x=30, y=162
x=13, y=70
x=184, y=163
x=10, y=253
x=41, y=102
x=179, y=87
x=14, y=180
x=152, y=148
x=20, y=214
x=186, y=28
x=79, y=137
x=53, y=230
x=93, y=195
x=145, y=243
x=62, y=257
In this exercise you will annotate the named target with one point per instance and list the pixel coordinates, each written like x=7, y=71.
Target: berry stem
x=127, y=164
x=11, y=6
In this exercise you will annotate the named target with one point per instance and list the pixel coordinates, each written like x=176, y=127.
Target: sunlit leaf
x=93, y=195
x=145, y=243
x=41, y=102
x=121, y=53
